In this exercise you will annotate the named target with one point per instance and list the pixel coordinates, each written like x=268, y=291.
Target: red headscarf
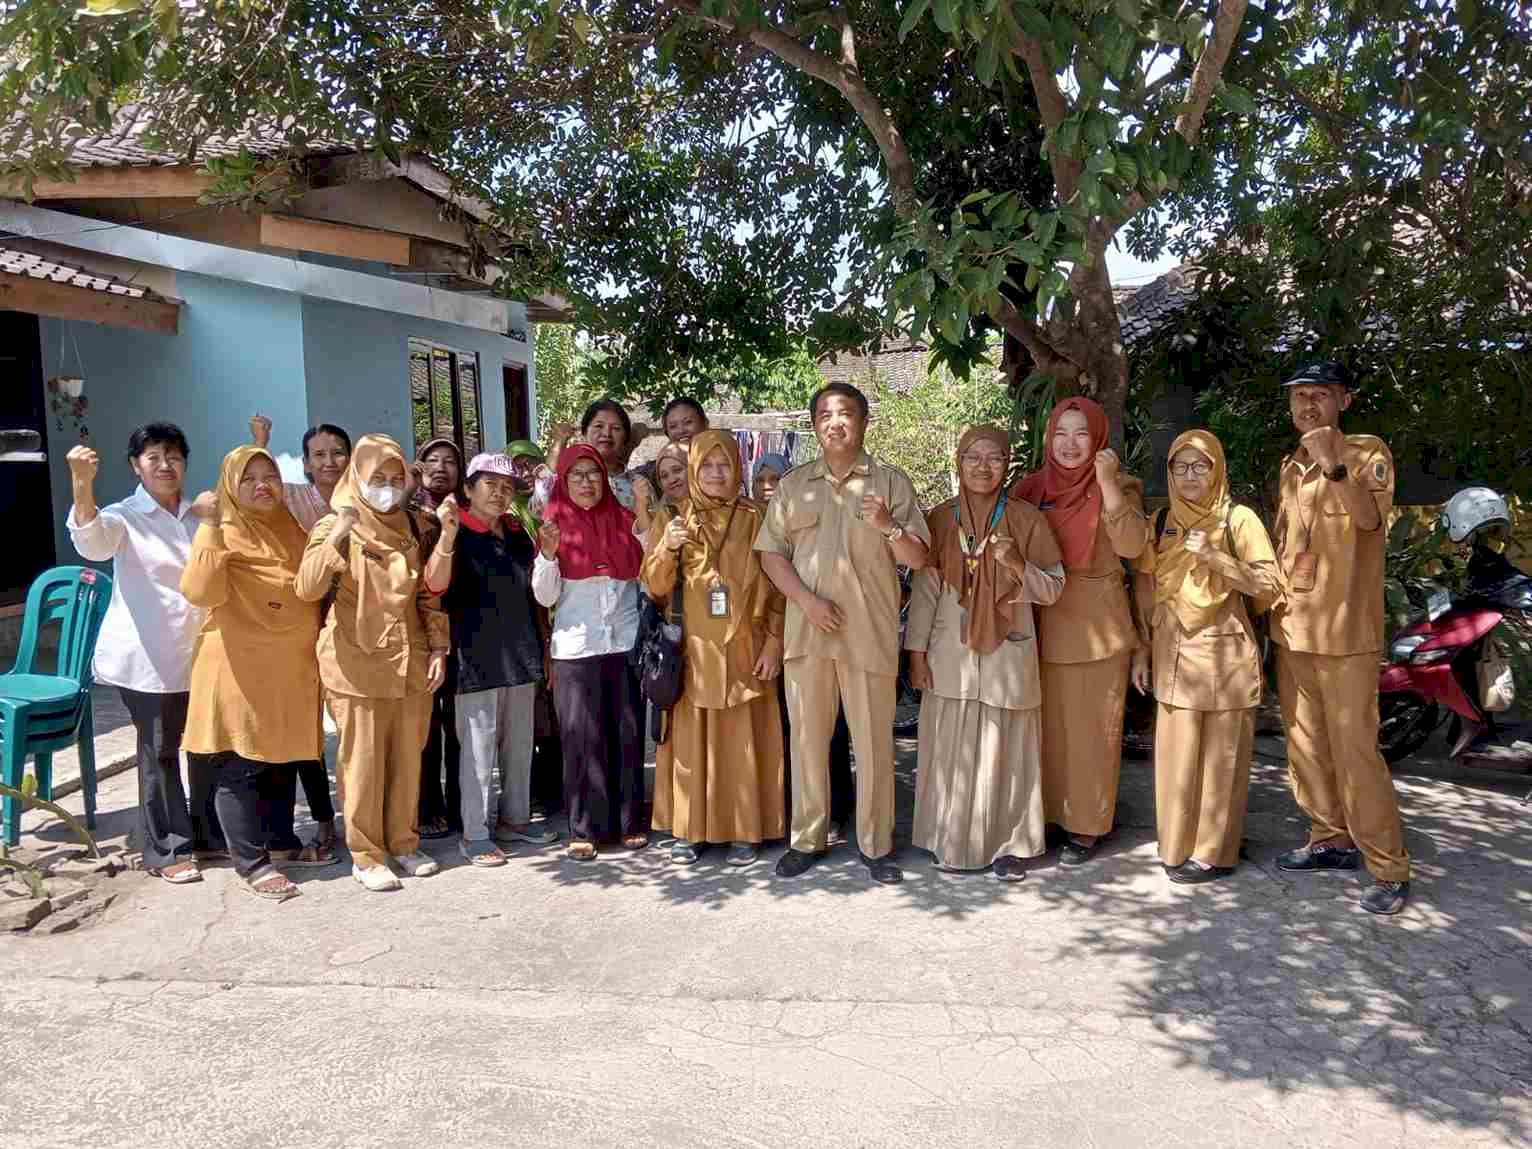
x=1070, y=496
x=598, y=541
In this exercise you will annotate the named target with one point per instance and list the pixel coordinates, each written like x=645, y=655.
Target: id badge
x=1305, y=571
x=718, y=601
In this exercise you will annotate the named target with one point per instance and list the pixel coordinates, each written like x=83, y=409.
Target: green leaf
x=911, y=17
x=1033, y=22
x=1238, y=100
x=1047, y=228
x=942, y=10
x=988, y=61
x=1129, y=12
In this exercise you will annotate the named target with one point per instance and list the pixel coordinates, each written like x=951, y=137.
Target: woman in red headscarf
x=586, y=573
x=1086, y=639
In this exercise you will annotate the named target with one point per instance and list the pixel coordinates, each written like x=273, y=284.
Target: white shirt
x=149, y=630
x=591, y=616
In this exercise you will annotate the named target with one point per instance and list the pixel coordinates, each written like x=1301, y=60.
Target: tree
x=709, y=180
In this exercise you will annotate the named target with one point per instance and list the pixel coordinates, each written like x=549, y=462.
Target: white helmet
x=1473, y=508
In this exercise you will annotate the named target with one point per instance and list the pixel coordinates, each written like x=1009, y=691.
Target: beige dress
x=978, y=794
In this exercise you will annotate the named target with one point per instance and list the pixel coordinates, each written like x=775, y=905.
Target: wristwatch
x=1338, y=473
x=894, y=533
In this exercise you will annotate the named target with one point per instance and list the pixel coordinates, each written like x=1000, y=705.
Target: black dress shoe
x=1320, y=856
x=883, y=871
x=1386, y=897
x=1194, y=873
x=1073, y=853
x=796, y=862
x=1009, y=868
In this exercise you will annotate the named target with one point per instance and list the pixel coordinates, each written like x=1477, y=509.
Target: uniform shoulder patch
x=1380, y=471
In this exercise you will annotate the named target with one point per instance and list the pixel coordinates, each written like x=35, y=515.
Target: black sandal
x=1073, y=853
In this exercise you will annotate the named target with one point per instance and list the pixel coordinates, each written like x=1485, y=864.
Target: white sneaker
x=418, y=865
x=376, y=878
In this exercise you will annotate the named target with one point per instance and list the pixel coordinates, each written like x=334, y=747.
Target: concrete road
x=629, y=1003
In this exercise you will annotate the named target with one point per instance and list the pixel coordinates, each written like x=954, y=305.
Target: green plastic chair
x=41, y=713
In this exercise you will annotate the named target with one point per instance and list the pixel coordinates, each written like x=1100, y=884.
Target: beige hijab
x=385, y=556
x=1194, y=592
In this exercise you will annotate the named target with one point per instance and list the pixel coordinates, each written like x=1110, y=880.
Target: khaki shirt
x=1343, y=614
x=1091, y=620
x=1218, y=667
x=816, y=521
x=398, y=670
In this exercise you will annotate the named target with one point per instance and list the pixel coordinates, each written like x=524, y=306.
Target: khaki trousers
x=1201, y=783
x=378, y=760
x=817, y=688
x=1330, y=710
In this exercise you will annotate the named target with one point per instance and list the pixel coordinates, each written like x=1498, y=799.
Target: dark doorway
x=517, y=402
x=26, y=501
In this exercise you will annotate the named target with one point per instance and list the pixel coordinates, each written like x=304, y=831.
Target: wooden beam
x=298, y=234
x=65, y=301
x=160, y=181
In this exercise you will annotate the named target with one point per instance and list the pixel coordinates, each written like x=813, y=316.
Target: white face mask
x=382, y=497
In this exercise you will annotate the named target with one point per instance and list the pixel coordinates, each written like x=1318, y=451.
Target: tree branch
x=1054, y=110
x=845, y=77
x=1210, y=66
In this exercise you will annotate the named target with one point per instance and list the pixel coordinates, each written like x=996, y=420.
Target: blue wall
x=240, y=349
x=358, y=366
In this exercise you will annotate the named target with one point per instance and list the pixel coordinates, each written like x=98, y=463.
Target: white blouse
x=591, y=616
x=150, y=629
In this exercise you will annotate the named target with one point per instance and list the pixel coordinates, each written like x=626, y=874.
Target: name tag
x=718, y=601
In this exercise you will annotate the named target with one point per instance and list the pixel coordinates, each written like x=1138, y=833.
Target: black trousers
x=316, y=788
x=442, y=752
x=249, y=797
x=600, y=730
x=278, y=795
x=842, y=781
x=165, y=817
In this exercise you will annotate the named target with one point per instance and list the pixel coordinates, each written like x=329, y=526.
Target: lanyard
x=972, y=549
x=715, y=554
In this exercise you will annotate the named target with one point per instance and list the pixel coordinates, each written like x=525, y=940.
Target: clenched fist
x=1107, y=467
x=260, y=430
x=548, y=540
x=83, y=464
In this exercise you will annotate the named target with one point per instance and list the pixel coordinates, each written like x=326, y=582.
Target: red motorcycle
x=1434, y=663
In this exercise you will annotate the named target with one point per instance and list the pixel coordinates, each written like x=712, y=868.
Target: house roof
x=30, y=264
x=1142, y=311
x=901, y=364
x=32, y=282
x=126, y=144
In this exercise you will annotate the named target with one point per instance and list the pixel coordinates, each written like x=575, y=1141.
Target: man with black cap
x=1335, y=494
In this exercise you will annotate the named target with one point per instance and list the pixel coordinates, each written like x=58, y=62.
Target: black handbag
x=661, y=654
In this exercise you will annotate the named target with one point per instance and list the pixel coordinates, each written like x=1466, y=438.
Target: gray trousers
x=494, y=728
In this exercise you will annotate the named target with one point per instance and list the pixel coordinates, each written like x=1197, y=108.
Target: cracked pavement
x=634, y=1003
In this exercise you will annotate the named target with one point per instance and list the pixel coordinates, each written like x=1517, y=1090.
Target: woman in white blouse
x=586, y=572
x=146, y=640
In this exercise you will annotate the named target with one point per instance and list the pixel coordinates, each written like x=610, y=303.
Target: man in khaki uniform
x=1336, y=492
x=832, y=541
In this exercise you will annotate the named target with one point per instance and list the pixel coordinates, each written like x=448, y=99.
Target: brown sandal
x=305, y=858
x=273, y=887
x=180, y=873
x=581, y=851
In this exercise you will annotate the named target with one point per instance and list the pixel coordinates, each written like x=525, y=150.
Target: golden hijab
x=713, y=529
x=984, y=587
x=385, y=557
x=268, y=543
x=1194, y=592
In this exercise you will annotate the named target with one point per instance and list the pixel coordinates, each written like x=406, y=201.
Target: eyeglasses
x=1181, y=470
x=984, y=460
x=579, y=476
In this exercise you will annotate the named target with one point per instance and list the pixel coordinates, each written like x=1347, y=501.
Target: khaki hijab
x=1194, y=592
x=385, y=558
x=721, y=538
x=269, y=543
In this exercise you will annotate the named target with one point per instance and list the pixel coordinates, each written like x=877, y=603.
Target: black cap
x=1324, y=373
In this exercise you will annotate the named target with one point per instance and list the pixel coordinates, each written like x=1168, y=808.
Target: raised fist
x=548, y=540
x=83, y=464
x=1107, y=465
x=260, y=430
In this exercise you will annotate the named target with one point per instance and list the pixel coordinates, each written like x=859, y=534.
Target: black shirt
x=494, y=622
